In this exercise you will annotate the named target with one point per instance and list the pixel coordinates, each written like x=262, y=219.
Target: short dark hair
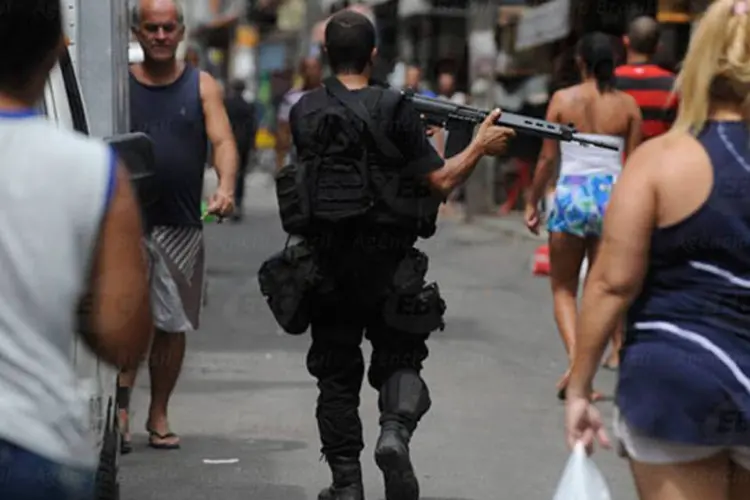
x=643, y=33
x=30, y=30
x=349, y=41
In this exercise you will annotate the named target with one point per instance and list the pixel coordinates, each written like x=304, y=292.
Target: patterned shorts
x=579, y=204
x=177, y=277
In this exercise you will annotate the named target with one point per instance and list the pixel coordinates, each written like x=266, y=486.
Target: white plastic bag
x=581, y=479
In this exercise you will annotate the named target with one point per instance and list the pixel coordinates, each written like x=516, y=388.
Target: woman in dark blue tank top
x=675, y=257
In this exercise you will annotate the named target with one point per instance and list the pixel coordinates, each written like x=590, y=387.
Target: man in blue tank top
x=181, y=108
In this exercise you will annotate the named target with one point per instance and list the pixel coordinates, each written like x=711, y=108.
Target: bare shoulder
x=629, y=101
x=666, y=155
x=562, y=96
x=209, y=87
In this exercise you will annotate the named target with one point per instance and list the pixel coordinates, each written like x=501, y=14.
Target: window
x=73, y=93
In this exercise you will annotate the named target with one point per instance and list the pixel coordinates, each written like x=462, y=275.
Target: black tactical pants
x=342, y=318
x=239, y=192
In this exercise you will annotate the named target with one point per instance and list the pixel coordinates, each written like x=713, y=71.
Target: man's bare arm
x=283, y=142
x=490, y=140
x=219, y=130
x=115, y=317
x=456, y=170
x=548, y=156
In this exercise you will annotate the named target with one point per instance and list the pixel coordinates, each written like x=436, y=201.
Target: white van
x=63, y=104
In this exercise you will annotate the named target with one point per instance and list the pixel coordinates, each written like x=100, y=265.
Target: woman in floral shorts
x=587, y=176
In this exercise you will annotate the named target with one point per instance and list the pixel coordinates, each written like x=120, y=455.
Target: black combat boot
x=404, y=398
x=347, y=480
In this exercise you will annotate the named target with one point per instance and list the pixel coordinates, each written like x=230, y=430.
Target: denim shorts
x=27, y=476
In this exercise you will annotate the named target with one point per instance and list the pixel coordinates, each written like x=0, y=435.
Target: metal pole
x=313, y=14
x=481, y=20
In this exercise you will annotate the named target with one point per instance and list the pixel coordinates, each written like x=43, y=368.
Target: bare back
x=611, y=113
x=607, y=113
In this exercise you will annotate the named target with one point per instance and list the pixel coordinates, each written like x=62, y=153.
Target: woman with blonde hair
x=675, y=256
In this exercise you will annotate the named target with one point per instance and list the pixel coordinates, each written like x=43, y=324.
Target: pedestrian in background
x=242, y=117
x=414, y=82
x=68, y=189
x=587, y=176
x=181, y=108
x=447, y=89
x=311, y=71
x=649, y=84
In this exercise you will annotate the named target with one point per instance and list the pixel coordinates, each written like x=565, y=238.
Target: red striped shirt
x=651, y=87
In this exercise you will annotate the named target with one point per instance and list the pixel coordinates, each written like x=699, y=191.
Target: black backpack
x=331, y=182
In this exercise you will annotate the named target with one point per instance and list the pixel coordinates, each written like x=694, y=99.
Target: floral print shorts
x=579, y=204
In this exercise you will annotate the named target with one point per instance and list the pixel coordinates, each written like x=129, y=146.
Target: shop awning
x=544, y=24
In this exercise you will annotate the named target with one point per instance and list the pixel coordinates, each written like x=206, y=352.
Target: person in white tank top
x=587, y=176
x=70, y=234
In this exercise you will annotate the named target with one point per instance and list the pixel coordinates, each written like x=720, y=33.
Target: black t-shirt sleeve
x=408, y=133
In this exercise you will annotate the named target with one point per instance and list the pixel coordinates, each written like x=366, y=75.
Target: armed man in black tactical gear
x=363, y=186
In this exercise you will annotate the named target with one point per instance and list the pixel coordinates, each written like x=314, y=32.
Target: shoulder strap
x=342, y=94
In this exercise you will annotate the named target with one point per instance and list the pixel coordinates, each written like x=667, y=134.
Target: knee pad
x=406, y=394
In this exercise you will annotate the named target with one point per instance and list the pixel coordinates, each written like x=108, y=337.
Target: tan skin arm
x=489, y=140
x=283, y=142
x=219, y=130
x=618, y=272
x=548, y=156
x=634, y=128
x=116, y=320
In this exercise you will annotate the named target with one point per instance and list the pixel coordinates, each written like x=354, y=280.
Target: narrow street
x=246, y=400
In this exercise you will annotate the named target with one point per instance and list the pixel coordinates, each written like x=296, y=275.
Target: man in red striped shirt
x=650, y=85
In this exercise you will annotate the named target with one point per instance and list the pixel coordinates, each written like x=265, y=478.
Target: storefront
x=432, y=34
x=677, y=18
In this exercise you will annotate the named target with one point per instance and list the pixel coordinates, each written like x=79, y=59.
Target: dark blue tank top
x=685, y=367
x=172, y=115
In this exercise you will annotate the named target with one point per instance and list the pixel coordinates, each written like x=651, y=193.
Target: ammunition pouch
x=293, y=198
x=412, y=305
x=286, y=281
x=410, y=200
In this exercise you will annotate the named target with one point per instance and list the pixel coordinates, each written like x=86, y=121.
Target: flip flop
x=162, y=446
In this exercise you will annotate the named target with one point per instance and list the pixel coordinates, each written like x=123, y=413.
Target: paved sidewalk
x=260, y=196
x=511, y=225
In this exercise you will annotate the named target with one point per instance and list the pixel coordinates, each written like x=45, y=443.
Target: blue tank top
x=685, y=369
x=172, y=115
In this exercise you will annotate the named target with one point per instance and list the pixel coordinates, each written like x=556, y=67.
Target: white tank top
x=576, y=159
x=54, y=191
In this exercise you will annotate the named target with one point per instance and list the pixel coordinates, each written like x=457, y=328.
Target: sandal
x=162, y=446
